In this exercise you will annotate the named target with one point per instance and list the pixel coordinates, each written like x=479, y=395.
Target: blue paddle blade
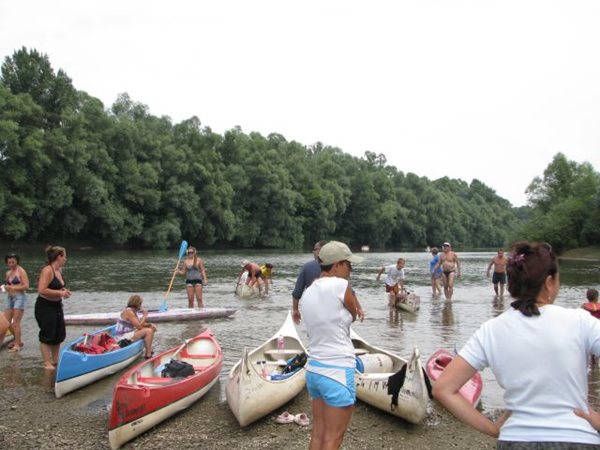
x=183, y=248
x=163, y=306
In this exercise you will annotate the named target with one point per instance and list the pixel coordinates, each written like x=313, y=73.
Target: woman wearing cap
x=17, y=283
x=195, y=277
x=329, y=307
x=538, y=353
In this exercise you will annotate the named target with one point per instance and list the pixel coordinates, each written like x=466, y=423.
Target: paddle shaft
x=173, y=278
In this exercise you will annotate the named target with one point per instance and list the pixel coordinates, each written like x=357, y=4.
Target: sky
x=491, y=90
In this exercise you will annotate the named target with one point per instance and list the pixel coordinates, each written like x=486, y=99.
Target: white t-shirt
x=541, y=363
x=393, y=275
x=328, y=322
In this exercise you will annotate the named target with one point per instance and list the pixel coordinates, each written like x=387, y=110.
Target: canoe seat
x=287, y=351
x=152, y=381
x=360, y=351
x=197, y=356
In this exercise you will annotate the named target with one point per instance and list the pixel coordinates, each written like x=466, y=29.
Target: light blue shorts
x=16, y=301
x=332, y=391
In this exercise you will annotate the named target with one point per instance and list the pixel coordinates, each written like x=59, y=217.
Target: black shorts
x=51, y=320
x=193, y=282
x=499, y=278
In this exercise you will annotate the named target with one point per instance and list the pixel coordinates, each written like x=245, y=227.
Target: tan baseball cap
x=335, y=251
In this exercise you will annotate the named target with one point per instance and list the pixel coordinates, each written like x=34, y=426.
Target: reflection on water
x=102, y=281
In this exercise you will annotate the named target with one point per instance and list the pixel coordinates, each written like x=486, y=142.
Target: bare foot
x=49, y=367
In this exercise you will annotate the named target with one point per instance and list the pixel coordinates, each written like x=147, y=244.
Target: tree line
x=122, y=176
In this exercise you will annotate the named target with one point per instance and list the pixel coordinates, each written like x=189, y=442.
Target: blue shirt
x=309, y=273
x=432, y=264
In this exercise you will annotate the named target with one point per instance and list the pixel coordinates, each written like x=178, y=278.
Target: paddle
x=182, y=249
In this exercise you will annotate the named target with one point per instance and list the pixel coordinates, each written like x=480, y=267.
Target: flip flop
x=302, y=419
x=285, y=417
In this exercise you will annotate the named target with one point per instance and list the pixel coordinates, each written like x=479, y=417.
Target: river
x=102, y=281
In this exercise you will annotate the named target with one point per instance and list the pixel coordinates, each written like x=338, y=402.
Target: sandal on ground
x=15, y=348
x=302, y=419
x=10, y=345
x=285, y=417
x=148, y=357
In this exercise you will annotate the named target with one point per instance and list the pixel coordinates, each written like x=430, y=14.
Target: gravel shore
x=32, y=418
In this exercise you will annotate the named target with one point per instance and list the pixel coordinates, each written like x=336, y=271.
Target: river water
x=102, y=281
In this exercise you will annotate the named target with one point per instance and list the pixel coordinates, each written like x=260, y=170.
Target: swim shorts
x=333, y=384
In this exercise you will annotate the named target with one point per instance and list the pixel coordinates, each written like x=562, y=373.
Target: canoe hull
x=177, y=314
x=436, y=363
x=411, y=303
x=250, y=395
x=76, y=369
x=142, y=398
x=372, y=386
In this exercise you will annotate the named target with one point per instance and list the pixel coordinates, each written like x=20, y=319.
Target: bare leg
x=147, y=334
x=16, y=327
x=198, y=292
x=501, y=289
x=449, y=287
x=190, y=295
x=46, y=351
x=496, y=288
x=329, y=425
x=55, y=351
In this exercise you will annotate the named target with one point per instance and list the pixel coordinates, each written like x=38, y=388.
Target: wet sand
x=32, y=418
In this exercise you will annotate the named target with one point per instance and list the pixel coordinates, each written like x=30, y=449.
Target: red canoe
x=143, y=398
x=436, y=364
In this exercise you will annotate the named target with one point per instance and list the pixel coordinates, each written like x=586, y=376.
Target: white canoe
x=153, y=316
x=410, y=303
x=242, y=290
x=385, y=372
x=249, y=394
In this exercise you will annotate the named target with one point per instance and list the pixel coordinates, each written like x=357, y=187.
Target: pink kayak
x=439, y=361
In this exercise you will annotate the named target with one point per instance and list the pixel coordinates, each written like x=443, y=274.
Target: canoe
x=8, y=337
x=142, y=398
x=411, y=302
x=77, y=369
x=256, y=385
x=436, y=364
x=176, y=314
x=388, y=382
x=242, y=290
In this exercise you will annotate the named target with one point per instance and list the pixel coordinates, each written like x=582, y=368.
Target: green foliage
x=565, y=205
x=72, y=168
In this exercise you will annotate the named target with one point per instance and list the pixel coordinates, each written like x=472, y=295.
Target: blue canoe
x=76, y=369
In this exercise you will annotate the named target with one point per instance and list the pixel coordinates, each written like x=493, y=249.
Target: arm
x=203, y=271
x=380, y=272
x=489, y=267
x=458, y=271
x=445, y=390
x=351, y=303
x=296, y=316
x=181, y=268
x=136, y=321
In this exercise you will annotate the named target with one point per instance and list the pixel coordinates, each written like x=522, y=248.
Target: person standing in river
x=499, y=277
x=436, y=275
x=394, y=280
x=310, y=272
x=450, y=268
x=48, y=305
x=195, y=277
x=17, y=283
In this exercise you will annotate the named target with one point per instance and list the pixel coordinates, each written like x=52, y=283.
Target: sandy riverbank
x=32, y=418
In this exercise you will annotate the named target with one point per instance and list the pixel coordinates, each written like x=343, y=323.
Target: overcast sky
x=465, y=89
